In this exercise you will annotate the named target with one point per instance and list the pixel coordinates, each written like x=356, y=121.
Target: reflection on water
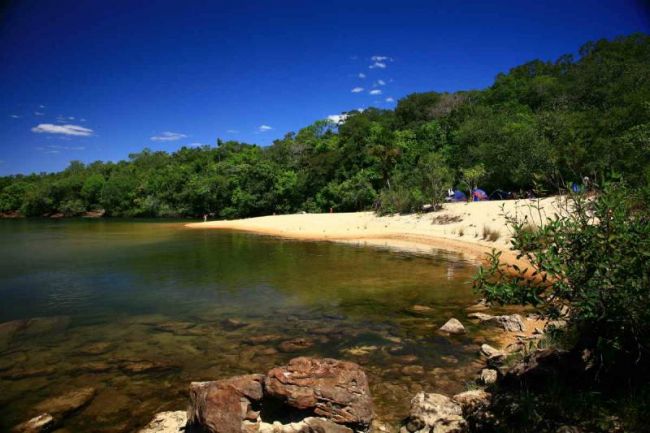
x=139, y=309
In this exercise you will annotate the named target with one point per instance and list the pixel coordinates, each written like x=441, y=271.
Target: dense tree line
x=541, y=125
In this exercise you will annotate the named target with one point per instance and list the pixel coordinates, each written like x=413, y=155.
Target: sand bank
x=458, y=227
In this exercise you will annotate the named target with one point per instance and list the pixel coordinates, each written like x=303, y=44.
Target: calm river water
x=138, y=309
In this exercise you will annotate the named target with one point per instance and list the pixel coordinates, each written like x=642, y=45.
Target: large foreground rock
x=336, y=390
x=221, y=406
x=434, y=413
x=167, y=422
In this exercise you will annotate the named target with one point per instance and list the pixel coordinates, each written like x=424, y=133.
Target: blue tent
x=458, y=196
x=479, y=195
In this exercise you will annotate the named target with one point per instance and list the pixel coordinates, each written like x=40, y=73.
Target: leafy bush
x=593, y=262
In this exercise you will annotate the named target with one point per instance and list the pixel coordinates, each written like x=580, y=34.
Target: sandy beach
x=458, y=227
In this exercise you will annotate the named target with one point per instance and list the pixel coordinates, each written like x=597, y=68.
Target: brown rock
x=221, y=406
x=336, y=390
x=295, y=345
x=67, y=403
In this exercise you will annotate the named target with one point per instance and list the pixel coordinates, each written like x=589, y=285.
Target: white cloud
x=197, y=144
x=14, y=116
x=380, y=83
x=375, y=92
x=337, y=118
x=38, y=113
x=232, y=131
x=49, y=128
x=264, y=128
x=379, y=65
x=82, y=120
x=168, y=136
x=357, y=90
x=41, y=106
x=390, y=99
x=380, y=58
x=362, y=75
x=71, y=118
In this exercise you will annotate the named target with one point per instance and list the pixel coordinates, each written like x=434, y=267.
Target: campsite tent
x=458, y=196
x=479, y=195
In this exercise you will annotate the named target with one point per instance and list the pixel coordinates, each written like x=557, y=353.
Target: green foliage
x=543, y=124
x=591, y=263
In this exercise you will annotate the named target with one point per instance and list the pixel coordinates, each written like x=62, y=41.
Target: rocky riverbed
x=114, y=384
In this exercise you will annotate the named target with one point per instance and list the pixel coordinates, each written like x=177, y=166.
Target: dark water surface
x=138, y=309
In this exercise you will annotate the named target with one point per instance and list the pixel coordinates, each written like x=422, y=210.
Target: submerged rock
x=434, y=413
x=96, y=348
x=233, y=324
x=25, y=373
x=336, y=390
x=262, y=339
x=295, y=345
x=166, y=422
x=39, y=424
x=138, y=367
x=67, y=403
x=453, y=326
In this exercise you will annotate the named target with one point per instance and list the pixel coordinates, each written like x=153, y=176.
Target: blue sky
x=93, y=80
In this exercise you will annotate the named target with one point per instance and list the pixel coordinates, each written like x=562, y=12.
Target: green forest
x=541, y=126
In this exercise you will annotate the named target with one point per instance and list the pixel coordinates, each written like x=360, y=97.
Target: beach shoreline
x=459, y=227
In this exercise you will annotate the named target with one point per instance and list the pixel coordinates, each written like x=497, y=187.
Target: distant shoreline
x=459, y=227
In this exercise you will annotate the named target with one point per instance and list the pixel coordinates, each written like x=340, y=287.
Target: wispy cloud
x=375, y=92
x=380, y=58
x=380, y=83
x=232, y=131
x=390, y=99
x=53, y=148
x=41, y=106
x=357, y=90
x=39, y=113
x=49, y=128
x=168, y=136
x=14, y=116
x=362, y=75
x=264, y=128
x=380, y=65
x=197, y=144
x=337, y=118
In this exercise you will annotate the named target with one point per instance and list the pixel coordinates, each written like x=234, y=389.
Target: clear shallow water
x=138, y=309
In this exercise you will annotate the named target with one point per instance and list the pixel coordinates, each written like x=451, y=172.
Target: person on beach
x=205, y=217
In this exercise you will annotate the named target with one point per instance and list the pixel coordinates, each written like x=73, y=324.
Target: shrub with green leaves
x=590, y=261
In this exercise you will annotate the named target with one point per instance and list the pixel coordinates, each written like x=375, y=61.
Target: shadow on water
x=137, y=310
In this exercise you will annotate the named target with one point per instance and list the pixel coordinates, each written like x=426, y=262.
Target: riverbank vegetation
x=593, y=285
x=542, y=125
